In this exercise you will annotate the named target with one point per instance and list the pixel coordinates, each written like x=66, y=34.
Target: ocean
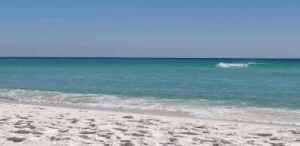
x=260, y=90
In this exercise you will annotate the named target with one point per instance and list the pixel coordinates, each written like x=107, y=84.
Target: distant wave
x=234, y=65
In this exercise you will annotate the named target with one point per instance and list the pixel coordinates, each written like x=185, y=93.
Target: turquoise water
x=152, y=83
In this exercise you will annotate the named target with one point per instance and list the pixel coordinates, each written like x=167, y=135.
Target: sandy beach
x=37, y=125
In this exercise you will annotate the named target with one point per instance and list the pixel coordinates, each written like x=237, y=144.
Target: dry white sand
x=36, y=125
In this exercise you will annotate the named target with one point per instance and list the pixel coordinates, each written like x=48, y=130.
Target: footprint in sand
x=16, y=139
x=295, y=131
x=128, y=117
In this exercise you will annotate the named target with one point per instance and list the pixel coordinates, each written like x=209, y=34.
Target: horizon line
x=131, y=57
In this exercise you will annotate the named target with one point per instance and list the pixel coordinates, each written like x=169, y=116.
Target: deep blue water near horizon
x=273, y=83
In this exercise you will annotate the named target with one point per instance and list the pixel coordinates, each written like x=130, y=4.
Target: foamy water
x=202, y=109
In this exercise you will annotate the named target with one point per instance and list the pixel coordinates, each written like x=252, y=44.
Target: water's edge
x=274, y=116
x=144, y=112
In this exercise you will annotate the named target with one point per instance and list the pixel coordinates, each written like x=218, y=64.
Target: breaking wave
x=234, y=65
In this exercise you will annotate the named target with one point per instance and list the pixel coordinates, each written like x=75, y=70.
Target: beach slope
x=44, y=125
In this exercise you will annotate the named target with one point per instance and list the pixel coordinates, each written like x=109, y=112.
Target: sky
x=150, y=28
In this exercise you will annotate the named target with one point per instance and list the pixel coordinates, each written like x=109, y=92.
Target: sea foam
x=154, y=104
x=233, y=65
x=94, y=100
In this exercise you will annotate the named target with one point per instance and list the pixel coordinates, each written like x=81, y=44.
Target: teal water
x=272, y=83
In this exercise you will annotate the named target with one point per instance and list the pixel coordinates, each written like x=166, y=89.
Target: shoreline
x=27, y=124
x=149, y=112
x=163, y=113
x=202, y=110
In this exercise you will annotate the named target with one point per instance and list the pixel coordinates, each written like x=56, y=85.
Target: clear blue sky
x=152, y=28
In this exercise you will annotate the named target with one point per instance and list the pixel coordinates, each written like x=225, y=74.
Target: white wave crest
x=233, y=65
